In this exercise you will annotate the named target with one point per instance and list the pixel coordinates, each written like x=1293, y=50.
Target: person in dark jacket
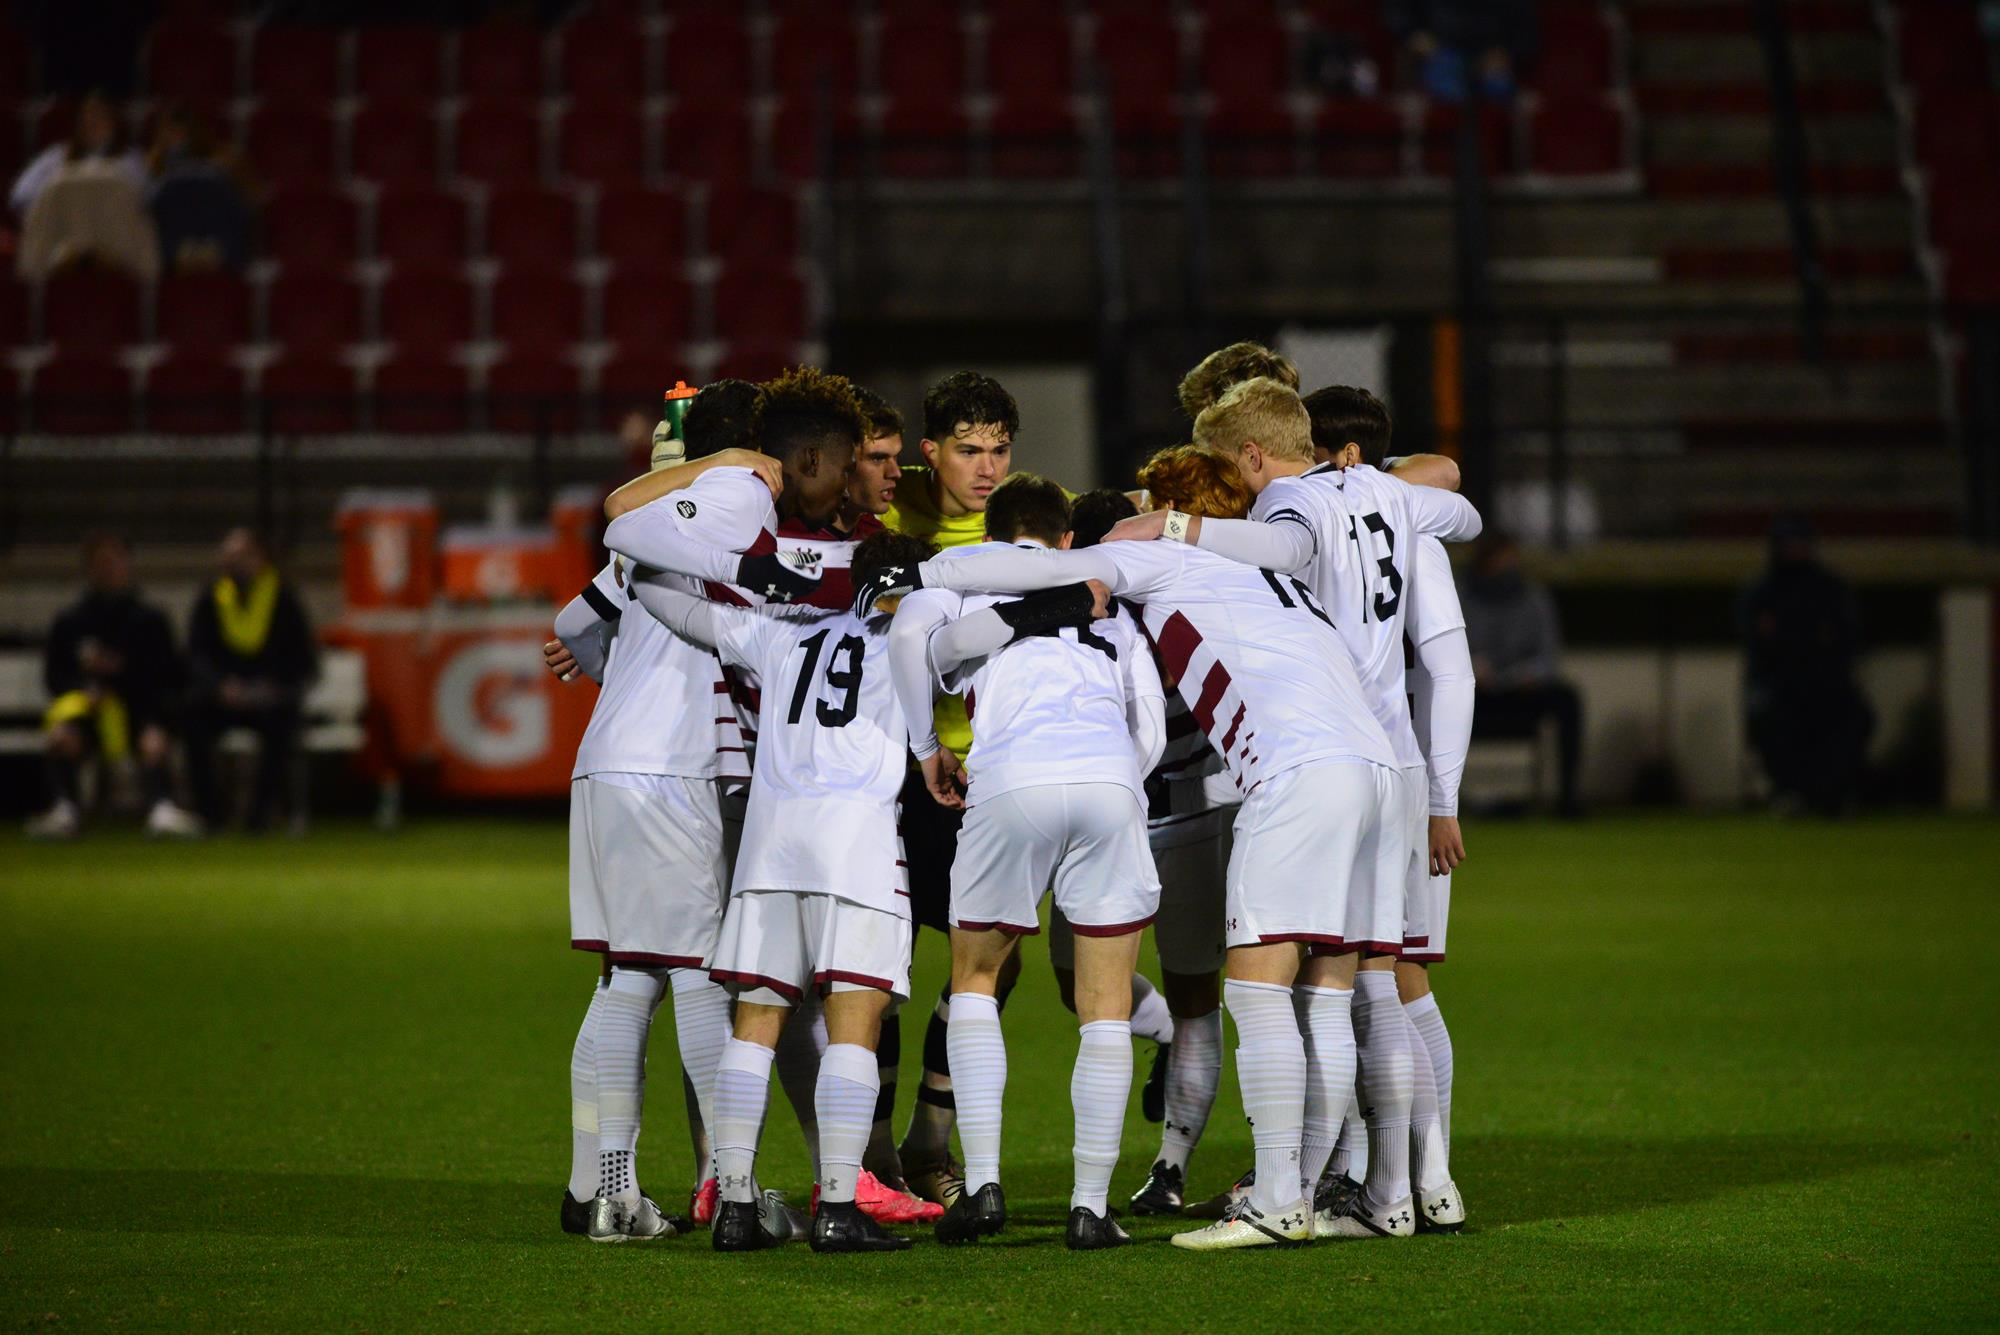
x=112, y=674
x=251, y=659
x=1515, y=636
x=1805, y=714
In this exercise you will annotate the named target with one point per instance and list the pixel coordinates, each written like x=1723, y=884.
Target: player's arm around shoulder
x=650, y=487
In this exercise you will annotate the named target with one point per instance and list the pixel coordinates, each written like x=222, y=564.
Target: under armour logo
x=1232, y=924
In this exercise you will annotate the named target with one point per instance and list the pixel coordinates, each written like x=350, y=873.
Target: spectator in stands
x=199, y=196
x=1805, y=714
x=1462, y=44
x=1516, y=641
x=112, y=673
x=84, y=201
x=252, y=658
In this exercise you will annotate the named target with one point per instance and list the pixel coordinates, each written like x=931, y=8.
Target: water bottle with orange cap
x=669, y=441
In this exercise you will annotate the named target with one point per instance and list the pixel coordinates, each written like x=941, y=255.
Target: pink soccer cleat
x=701, y=1202
x=886, y=1205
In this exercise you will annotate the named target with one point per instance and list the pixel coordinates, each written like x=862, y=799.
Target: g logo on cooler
x=490, y=705
x=685, y=509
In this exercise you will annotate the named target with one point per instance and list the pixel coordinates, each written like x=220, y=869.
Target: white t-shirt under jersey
x=658, y=711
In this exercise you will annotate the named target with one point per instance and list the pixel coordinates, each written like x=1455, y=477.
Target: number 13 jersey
x=831, y=754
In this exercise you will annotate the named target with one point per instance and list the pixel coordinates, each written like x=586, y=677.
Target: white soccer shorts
x=1430, y=913
x=777, y=943
x=1401, y=864
x=1307, y=859
x=646, y=878
x=1088, y=838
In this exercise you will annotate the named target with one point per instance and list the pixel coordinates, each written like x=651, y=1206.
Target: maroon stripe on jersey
x=1178, y=641
x=1212, y=687
x=598, y=946
x=785, y=990
x=1010, y=928
x=1229, y=738
x=1338, y=944
x=656, y=961
x=722, y=593
x=721, y=687
x=764, y=544
x=835, y=592
x=1111, y=929
x=1423, y=957
x=827, y=977
x=1415, y=942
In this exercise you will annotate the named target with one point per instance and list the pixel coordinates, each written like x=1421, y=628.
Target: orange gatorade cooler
x=388, y=547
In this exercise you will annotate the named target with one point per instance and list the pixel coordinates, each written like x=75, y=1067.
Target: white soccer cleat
x=613, y=1220
x=1247, y=1226
x=1441, y=1211
x=61, y=821
x=1359, y=1220
x=167, y=821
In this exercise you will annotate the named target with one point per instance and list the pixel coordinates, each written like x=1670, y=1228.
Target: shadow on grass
x=1512, y=1180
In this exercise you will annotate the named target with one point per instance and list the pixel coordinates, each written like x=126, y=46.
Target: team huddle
x=842, y=699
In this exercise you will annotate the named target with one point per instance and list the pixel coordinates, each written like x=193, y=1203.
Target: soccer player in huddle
x=1069, y=723
x=1267, y=678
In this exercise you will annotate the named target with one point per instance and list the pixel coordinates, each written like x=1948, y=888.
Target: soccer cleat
x=781, y=1219
x=575, y=1214
x=167, y=821
x=1336, y=1192
x=701, y=1203
x=613, y=1220
x=1217, y=1207
x=1162, y=1192
x=1089, y=1232
x=843, y=1227
x=977, y=1214
x=941, y=1183
x=1359, y=1220
x=1247, y=1226
x=1153, y=1097
x=739, y=1228
x=1441, y=1211
x=883, y=1203
x=61, y=821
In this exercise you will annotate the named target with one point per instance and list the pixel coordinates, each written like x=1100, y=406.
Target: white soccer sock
x=1326, y=1018
x=1099, y=1088
x=1429, y=1020
x=622, y=1028
x=1194, y=1069
x=1271, y=1067
x=978, y=1054
x=1150, y=1016
x=1350, y=1153
x=742, y=1090
x=845, y=1099
x=701, y=1025
x=1429, y=1169
x=583, y=1166
x=799, y=1048
x=1387, y=1085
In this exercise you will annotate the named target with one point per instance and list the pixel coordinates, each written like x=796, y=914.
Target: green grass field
x=1712, y=1073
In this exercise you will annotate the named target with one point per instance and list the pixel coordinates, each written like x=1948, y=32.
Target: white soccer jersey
x=1253, y=654
x=830, y=757
x=1365, y=526
x=657, y=712
x=1433, y=595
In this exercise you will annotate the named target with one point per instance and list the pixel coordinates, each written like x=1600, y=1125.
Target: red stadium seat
x=1440, y=139
x=314, y=315
x=1031, y=58
x=756, y=226
x=82, y=395
x=292, y=145
x=1942, y=47
x=537, y=313
x=1356, y=22
x=395, y=143
x=1246, y=59
x=308, y=393
x=632, y=381
x=1358, y=137
x=646, y=311
x=1575, y=49
x=707, y=56
x=191, y=62
x=708, y=141
x=923, y=57
x=311, y=227
x=924, y=138
x=604, y=141
x=90, y=314
x=421, y=229
x=812, y=46
x=606, y=58
x=499, y=143
x=194, y=395
x=532, y=394
x=296, y=66
x=421, y=394
x=797, y=137
x=202, y=315
x=1034, y=139
x=642, y=228
x=531, y=226
x=1140, y=53
x=1248, y=137
x=756, y=361
x=396, y=62
x=424, y=313
x=1579, y=135
x=1146, y=139
x=757, y=304
x=502, y=61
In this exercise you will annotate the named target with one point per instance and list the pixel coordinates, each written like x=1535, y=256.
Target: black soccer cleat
x=575, y=1214
x=977, y=1214
x=843, y=1228
x=1162, y=1192
x=1153, y=1098
x=1335, y=1192
x=1089, y=1232
x=738, y=1229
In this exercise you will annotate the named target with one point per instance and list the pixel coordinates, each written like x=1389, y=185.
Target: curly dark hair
x=1028, y=506
x=974, y=399
x=723, y=416
x=1225, y=367
x=1343, y=413
x=809, y=408
x=884, y=419
x=1092, y=514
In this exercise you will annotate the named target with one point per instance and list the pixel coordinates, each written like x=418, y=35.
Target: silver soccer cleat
x=612, y=1220
x=1360, y=1220
x=781, y=1219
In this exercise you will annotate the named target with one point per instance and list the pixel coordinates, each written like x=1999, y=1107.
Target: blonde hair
x=1197, y=481
x=1214, y=374
x=1262, y=411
